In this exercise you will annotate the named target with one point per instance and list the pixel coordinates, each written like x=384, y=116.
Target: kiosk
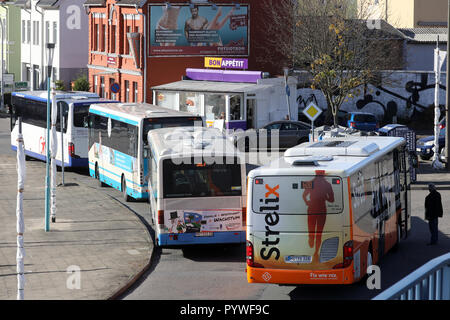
x=228, y=99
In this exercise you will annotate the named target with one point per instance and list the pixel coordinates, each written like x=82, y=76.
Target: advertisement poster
x=198, y=30
x=193, y=221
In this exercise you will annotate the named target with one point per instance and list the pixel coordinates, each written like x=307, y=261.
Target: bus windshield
x=201, y=180
x=157, y=123
x=301, y=194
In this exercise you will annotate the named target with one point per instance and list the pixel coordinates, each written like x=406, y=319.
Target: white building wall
x=71, y=40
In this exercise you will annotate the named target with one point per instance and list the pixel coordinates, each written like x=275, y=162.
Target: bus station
x=230, y=99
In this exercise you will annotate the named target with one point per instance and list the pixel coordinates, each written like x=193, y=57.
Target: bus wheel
x=126, y=197
x=97, y=176
x=397, y=243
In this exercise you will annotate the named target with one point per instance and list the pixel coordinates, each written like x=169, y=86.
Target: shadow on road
x=215, y=253
x=395, y=265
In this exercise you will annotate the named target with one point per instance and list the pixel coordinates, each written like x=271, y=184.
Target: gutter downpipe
x=145, y=52
x=41, y=43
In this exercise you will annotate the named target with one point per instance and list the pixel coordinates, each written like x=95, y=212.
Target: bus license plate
x=204, y=234
x=297, y=259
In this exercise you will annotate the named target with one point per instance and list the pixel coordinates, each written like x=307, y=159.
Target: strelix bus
x=327, y=210
x=118, y=142
x=197, y=187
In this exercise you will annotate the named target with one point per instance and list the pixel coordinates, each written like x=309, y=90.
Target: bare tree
x=336, y=41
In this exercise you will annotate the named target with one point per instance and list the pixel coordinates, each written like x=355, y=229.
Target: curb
x=136, y=277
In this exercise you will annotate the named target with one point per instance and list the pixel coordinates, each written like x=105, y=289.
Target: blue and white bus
x=32, y=107
x=197, y=187
x=118, y=143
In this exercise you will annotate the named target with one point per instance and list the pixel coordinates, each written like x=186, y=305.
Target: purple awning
x=224, y=75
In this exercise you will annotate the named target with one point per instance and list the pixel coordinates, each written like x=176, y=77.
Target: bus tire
x=97, y=176
x=397, y=243
x=126, y=197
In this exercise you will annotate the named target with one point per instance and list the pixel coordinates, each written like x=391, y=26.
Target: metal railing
x=429, y=282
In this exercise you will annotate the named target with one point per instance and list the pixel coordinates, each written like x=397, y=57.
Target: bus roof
x=136, y=111
x=185, y=142
x=341, y=156
x=68, y=96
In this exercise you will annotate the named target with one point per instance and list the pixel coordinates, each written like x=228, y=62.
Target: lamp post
x=447, y=95
x=50, y=52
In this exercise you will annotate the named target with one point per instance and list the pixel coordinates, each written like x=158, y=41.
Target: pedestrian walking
x=433, y=211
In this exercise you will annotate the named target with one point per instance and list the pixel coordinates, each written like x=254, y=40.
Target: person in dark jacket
x=433, y=211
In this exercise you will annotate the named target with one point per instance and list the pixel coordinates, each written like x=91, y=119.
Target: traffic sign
x=312, y=111
x=115, y=88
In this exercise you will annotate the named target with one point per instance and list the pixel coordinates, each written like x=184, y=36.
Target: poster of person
x=198, y=30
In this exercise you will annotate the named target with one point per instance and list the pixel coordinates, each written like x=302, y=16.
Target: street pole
x=50, y=48
x=447, y=95
x=2, y=106
x=47, y=146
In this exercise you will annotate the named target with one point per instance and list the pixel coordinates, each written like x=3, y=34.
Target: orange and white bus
x=327, y=210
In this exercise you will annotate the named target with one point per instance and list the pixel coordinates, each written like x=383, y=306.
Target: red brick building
x=130, y=48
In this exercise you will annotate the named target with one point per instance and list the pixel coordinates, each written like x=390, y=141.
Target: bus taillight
x=250, y=256
x=249, y=253
x=160, y=216
x=71, y=148
x=348, y=256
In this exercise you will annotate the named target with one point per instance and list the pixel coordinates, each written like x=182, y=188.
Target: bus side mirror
x=146, y=152
x=86, y=122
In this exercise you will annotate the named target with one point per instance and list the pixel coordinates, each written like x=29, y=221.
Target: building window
x=95, y=84
x=113, y=39
x=47, y=32
x=24, y=31
x=127, y=91
x=55, y=32
x=95, y=45
x=102, y=87
x=36, y=33
x=135, y=91
x=111, y=82
x=28, y=31
x=127, y=45
x=104, y=38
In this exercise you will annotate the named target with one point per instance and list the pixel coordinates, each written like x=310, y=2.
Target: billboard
x=198, y=30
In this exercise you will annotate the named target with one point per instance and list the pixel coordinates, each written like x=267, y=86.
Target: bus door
x=63, y=109
x=383, y=209
x=80, y=134
x=404, y=172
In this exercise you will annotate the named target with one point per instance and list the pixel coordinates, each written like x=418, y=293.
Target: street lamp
x=50, y=52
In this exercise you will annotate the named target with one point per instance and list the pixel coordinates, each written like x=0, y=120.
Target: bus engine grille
x=329, y=249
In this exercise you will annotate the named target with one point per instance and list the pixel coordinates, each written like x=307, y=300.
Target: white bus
x=118, y=142
x=197, y=187
x=32, y=107
x=327, y=210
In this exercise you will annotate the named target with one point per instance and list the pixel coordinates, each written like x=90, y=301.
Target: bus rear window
x=79, y=114
x=201, y=180
x=157, y=123
x=299, y=194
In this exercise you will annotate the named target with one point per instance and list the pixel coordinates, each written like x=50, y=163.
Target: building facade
x=410, y=13
x=61, y=22
x=136, y=45
x=10, y=16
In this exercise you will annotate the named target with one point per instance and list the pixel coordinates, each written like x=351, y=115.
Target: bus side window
x=133, y=138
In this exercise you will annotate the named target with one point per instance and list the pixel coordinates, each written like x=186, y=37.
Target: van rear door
x=297, y=221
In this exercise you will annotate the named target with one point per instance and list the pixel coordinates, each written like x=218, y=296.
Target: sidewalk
x=98, y=235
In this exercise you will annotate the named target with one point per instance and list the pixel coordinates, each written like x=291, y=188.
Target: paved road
x=219, y=272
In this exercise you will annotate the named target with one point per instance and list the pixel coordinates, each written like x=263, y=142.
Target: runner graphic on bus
x=317, y=193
